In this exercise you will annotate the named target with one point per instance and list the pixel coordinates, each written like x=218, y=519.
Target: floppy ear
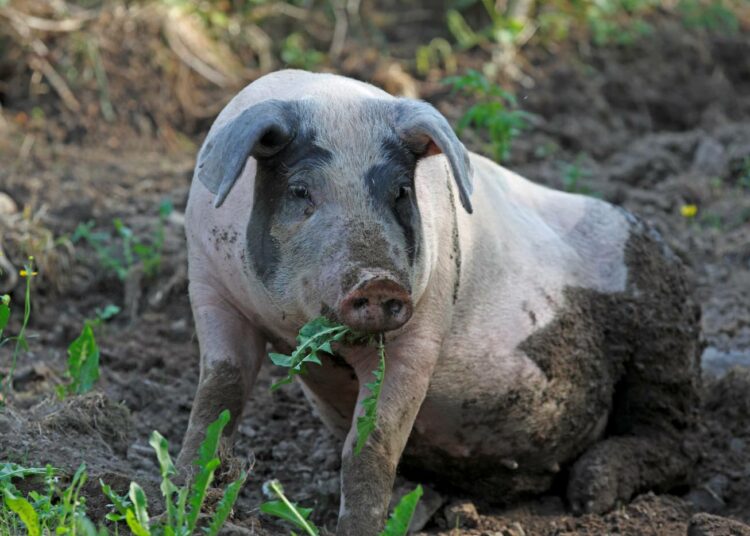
x=260, y=131
x=425, y=131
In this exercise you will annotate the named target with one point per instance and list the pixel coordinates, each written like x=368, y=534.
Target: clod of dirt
x=515, y=529
x=710, y=525
x=710, y=158
x=247, y=527
x=89, y=415
x=649, y=160
x=10, y=422
x=461, y=514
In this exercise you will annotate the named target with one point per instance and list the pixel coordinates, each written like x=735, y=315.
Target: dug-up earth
x=658, y=127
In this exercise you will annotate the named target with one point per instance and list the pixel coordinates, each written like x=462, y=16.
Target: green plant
x=398, y=523
x=4, y=313
x=6, y=383
x=618, y=21
x=711, y=15
x=503, y=29
x=366, y=423
x=83, y=363
x=53, y=511
x=315, y=336
x=62, y=510
x=573, y=175
x=83, y=356
x=183, y=503
x=496, y=111
x=431, y=55
x=15, y=503
x=120, y=252
x=612, y=22
x=318, y=335
x=283, y=508
x=295, y=53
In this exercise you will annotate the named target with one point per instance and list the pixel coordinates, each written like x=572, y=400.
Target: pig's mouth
x=376, y=305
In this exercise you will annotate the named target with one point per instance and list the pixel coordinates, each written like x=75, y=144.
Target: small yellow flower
x=689, y=211
x=25, y=273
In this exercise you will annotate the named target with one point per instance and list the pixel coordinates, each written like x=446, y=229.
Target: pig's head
x=335, y=226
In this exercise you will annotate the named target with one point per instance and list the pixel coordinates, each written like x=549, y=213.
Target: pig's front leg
x=367, y=478
x=231, y=354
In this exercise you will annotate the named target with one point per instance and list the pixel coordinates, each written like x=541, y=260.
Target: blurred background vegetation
x=164, y=68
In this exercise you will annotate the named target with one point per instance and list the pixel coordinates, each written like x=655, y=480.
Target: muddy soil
x=656, y=127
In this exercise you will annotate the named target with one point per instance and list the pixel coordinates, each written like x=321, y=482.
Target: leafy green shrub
x=118, y=253
x=54, y=511
x=496, y=113
x=711, y=15
x=62, y=510
x=618, y=21
x=502, y=29
x=295, y=53
x=183, y=503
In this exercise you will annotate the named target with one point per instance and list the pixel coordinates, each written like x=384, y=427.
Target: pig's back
x=293, y=84
x=523, y=246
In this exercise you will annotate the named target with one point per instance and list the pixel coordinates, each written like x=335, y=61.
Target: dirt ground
x=654, y=127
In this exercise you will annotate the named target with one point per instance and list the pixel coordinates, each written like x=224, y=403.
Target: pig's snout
x=375, y=306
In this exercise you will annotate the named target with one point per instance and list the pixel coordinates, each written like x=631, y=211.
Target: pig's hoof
x=593, y=485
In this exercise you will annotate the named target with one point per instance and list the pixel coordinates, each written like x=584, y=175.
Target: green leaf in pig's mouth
x=317, y=336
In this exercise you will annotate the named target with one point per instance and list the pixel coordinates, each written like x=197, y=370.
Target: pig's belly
x=506, y=431
x=501, y=429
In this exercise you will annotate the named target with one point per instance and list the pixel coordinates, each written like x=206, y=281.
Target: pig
x=533, y=337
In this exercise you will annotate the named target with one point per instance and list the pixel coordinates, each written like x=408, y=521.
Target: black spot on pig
x=390, y=184
x=271, y=186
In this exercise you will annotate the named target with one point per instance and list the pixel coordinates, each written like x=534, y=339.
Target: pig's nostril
x=393, y=307
x=375, y=306
x=359, y=303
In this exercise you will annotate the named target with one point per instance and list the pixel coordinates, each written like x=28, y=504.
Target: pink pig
x=527, y=330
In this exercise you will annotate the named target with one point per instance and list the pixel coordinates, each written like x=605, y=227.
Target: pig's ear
x=427, y=132
x=260, y=131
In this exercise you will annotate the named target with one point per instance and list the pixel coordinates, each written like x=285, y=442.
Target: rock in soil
x=461, y=514
x=711, y=525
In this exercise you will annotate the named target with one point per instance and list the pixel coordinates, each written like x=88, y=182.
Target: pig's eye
x=404, y=192
x=299, y=191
